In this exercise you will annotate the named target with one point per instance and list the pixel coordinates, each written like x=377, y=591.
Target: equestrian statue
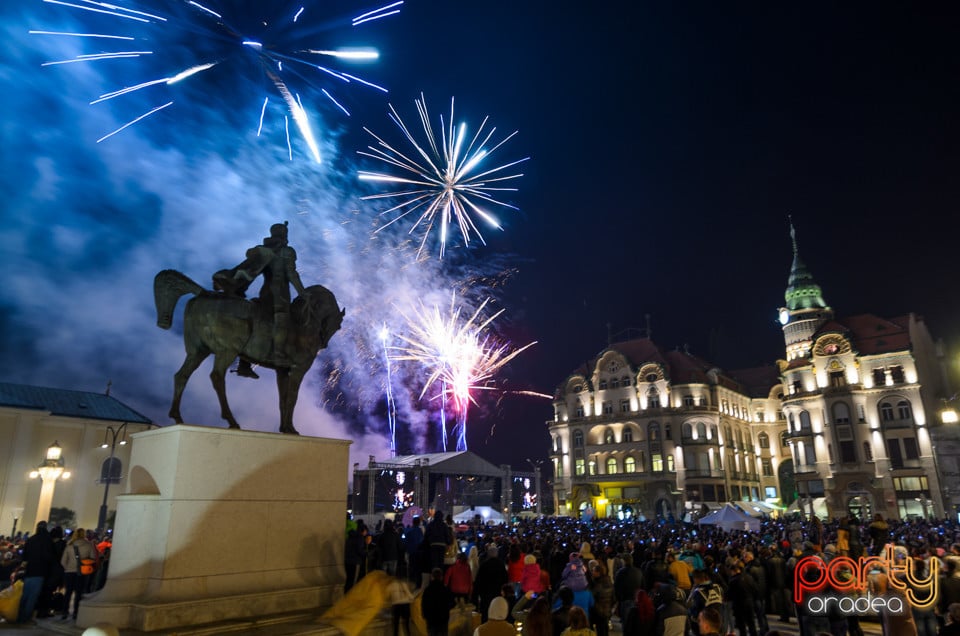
x=270, y=331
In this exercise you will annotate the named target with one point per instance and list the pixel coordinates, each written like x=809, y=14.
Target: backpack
x=84, y=566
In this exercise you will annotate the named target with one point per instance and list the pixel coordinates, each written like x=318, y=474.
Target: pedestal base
x=224, y=524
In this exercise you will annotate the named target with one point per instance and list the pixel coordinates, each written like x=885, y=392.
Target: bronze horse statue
x=230, y=327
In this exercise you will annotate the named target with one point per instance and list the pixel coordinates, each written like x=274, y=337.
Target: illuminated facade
x=848, y=422
x=642, y=431
x=862, y=394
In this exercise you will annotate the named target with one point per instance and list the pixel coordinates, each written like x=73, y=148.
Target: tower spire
x=793, y=235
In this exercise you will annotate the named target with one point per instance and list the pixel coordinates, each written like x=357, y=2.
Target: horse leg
x=221, y=363
x=288, y=386
x=193, y=360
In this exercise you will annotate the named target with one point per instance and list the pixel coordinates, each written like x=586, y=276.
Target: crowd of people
x=50, y=570
x=559, y=575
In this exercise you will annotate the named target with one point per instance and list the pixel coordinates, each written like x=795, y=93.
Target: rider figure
x=277, y=261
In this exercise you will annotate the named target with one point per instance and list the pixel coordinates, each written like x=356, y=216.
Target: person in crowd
x=561, y=610
x=779, y=586
x=705, y=593
x=656, y=570
x=679, y=572
x=437, y=536
x=39, y=557
x=574, y=575
x=473, y=560
x=435, y=604
x=412, y=538
x=491, y=576
x=879, y=533
x=400, y=596
x=459, y=579
x=893, y=624
x=671, y=614
x=710, y=622
x=515, y=563
x=742, y=592
x=626, y=582
x=601, y=587
x=78, y=561
x=641, y=618
x=354, y=555
x=390, y=546
x=756, y=571
x=496, y=623
x=949, y=587
x=530, y=580
x=578, y=623
x=538, y=620
x=952, y=626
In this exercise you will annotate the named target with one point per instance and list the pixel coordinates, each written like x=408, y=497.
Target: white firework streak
x=444, y=183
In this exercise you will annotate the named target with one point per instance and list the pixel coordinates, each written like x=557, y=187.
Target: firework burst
x=442, y=181
x=218, y=33
x=460, y=355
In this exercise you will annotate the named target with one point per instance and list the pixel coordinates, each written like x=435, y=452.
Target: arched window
x=110, y=470
x=790, y=422
x=577, y=438
x=804, y=421
x=628, y=434
x=903, y=410
x=611, y=466
x=784, y=439
x=886, y=411
x=592, y=467
x=557, y=444
x=629, y=465
x=579, y=409
x=763, y=440
x=608, y=437
x=667, y=431
x=614, y=383
x=625, y=381
x=603, y=385
x=701, y=430
x=653, y=398
x=867, y=451
x=670, y=465
x=841, y=413
x=653, y=431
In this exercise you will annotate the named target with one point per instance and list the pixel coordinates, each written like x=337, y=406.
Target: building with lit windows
x=639, y=431
x=862, y=395
x=842, y=425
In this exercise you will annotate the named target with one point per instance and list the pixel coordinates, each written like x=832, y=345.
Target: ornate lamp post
x=114, y=435
x=49, y=471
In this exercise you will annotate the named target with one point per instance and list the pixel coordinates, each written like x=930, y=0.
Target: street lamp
x=49, y=471
x=16, y=513
x=113, y=434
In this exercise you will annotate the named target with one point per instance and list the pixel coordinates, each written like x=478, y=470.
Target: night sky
x=668, y=144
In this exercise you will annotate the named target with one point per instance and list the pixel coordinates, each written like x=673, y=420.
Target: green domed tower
x=805, y=308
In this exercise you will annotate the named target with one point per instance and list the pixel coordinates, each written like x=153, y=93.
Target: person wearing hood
x=530, y=580
x=574, y=575
x=496, y=623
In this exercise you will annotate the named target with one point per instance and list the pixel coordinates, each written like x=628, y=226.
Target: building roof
x=869, y=334
x=682, y=367
x=67, y=403
x=458, y=463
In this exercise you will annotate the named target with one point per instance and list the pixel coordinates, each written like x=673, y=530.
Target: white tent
x=465, y=514
x=731, y=518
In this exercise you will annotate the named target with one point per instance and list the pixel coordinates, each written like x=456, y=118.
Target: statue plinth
x=224, y=524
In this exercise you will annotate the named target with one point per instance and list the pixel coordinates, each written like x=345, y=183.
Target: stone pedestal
x=224, y=524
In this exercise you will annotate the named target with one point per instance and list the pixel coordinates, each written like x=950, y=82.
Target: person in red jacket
x=530, y=580
x=459, y=578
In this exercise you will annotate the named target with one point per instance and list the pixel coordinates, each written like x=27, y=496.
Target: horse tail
x=168, y=286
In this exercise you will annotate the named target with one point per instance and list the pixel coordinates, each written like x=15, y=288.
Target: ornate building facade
x=841, y=425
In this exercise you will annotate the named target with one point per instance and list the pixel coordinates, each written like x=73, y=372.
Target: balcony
x=703, y=473
x=702, y=441
x=803, y=432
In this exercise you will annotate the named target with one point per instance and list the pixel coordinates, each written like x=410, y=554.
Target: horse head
x=317, y=309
